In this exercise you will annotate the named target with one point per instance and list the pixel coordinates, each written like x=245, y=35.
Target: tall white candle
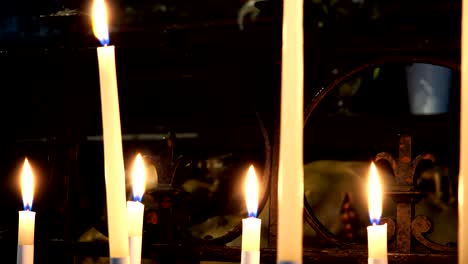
x=135, y=210
x=113, y=154
x=251, y=226
x=291, y=172
x=463, y=172
x=25, y=253
x=376, y=234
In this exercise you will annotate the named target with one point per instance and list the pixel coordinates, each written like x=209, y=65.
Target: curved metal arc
x=309, y=216
x=420, y=226
x=319, y=228
x=385, y=156
x=237, y=230
x=324, y=91
x=418, y=159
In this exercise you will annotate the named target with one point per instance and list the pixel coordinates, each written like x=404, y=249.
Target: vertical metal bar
x=403, y=174
x=273, y=213
x=403, y=226
x=404, y=178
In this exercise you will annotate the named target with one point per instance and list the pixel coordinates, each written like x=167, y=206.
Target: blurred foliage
x=383, y=14
x=50, y=18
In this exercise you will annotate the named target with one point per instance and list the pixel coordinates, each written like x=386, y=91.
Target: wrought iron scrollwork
x=405, y=195
x=421, y=224
x=404, y=229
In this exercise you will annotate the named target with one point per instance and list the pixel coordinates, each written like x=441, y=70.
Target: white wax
x=377, y=242
x=25, y=254
x=250, y=257
x=251, y=229
x=26, y=227
x=463, y=182
x=377, y=261
x=135, y=212
x=135, y=249
x=113, y=155
x=25, y=251
x=291, y=171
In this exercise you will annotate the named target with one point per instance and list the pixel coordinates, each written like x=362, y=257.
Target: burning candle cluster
x=125, y=220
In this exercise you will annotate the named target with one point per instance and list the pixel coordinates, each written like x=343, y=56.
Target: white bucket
x=428, y=88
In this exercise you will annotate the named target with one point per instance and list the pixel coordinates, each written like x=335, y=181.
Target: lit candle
x=462, y=181
x=135, y=210
x=251, y=226
x=113, y=154
x=376, y=234
x=25, y=253
x=291, y=171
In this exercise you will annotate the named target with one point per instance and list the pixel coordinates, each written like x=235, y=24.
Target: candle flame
x=138, y=178
x=374, y=190
x=27, y=185
x=99, y=15
x=251, y=192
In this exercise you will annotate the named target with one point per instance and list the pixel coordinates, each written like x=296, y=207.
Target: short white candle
x=251, y=226
x=25, y=253
x=135, y=210
x=291, y=167
x=113, y=154
x=376, y=234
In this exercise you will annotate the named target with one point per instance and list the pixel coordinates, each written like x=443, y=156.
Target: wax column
x=376, y=234
x=251, y=226
x=113, y=154
x=25, y=253
x=291, y=171
x=463, y=172
x=135, y=210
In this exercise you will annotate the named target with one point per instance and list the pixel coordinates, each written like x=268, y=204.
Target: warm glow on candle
x=251, y=192
x=100, y=27
x=27, y=185
x=114, y=170
x=291, y=161
x=463, y=161
x=138, y=178
x=374, y=190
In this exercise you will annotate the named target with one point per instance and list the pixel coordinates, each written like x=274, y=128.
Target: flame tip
x=138, y=178
x=251, y=192
x=27, y=185
x=375, y=194
x=100, y=27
